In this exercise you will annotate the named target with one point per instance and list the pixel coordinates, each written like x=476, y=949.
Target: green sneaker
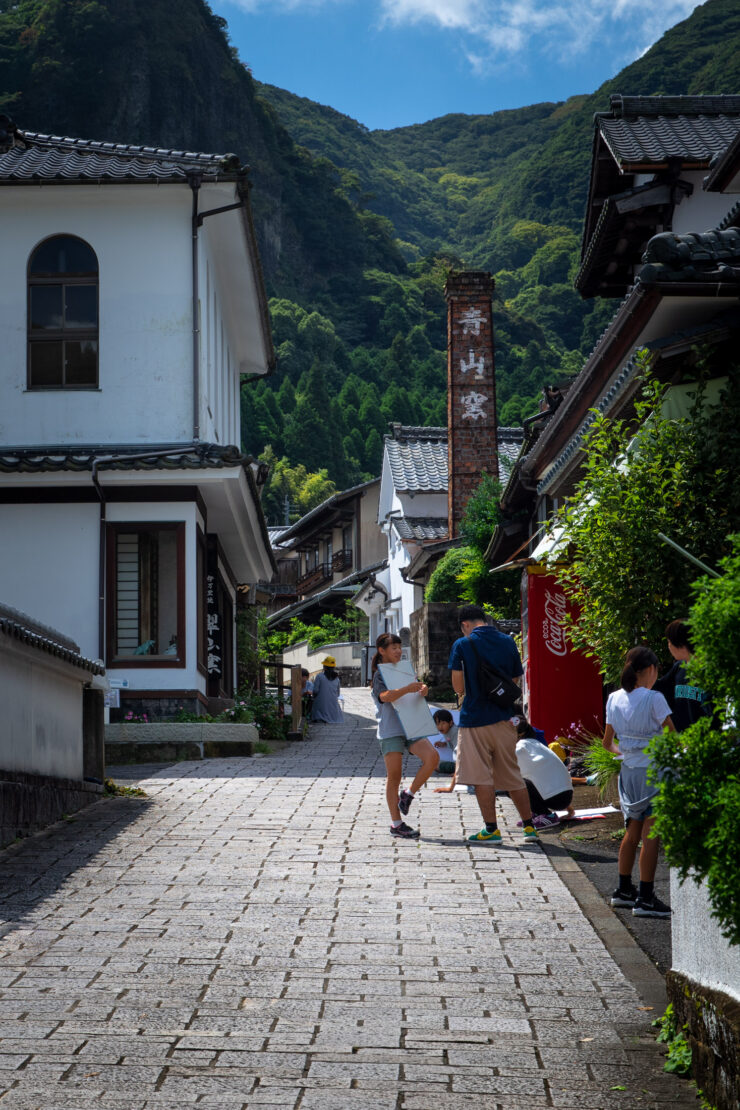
x=484, y=836
x=530, y=832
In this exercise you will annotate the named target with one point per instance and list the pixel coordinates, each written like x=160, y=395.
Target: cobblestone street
x=250, y=936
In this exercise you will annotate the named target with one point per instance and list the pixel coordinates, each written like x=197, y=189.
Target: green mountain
x=357, y=228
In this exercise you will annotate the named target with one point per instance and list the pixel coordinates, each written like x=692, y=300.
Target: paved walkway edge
x=619, y=942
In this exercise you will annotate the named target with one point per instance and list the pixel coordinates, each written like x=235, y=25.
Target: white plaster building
x=413, y=514
x=131, y=303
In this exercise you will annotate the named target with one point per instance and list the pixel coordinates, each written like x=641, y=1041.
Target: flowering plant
x=136, y=718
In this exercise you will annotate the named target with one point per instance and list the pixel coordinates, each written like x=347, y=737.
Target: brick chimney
x=471, y=388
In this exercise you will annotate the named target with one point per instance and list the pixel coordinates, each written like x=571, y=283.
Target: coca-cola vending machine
x=562, y=687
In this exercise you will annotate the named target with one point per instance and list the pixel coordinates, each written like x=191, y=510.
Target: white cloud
x=497, y=28
x=490, y=31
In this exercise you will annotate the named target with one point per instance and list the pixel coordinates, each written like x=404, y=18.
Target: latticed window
x=63, y=315
x=145, y=591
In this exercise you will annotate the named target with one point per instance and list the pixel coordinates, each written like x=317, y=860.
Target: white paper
x=412, y=709
x=596, y=811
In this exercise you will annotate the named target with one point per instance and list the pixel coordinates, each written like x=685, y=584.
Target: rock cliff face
x=162, y=73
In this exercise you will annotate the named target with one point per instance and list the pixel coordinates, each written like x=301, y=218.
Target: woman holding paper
x=393, y=742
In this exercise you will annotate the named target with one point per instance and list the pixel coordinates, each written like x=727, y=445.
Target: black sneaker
x=404, y=831
x=405, y=798
x=626, y=898
x=650, y=908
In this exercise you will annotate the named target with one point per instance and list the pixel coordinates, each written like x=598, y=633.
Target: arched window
x=63, y=315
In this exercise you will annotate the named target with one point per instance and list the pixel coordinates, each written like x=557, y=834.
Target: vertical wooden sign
x=471, y=389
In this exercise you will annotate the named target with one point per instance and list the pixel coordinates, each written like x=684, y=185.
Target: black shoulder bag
x=496, y=687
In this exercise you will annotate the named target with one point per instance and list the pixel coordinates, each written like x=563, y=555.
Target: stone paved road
x=250, y=936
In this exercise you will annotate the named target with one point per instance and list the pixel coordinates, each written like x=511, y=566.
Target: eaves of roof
x=423, y=556
x=36, y=159
x=200, y=456
x=312, y=518
x=290, y=611
x=599, y=251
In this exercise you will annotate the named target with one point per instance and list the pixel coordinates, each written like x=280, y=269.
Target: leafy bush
x=444, y=583
x=698, y=806
x=674, y=476
x=716, y=631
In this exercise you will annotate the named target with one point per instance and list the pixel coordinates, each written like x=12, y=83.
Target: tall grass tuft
x=605, y=765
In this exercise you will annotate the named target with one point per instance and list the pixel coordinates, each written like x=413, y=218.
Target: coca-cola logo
x=553, y=626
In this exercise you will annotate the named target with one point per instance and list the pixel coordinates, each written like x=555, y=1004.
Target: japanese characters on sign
x=213, y=628
x=472, y=404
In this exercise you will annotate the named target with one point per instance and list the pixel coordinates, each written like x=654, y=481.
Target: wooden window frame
x=62, y=335
x=138, y=662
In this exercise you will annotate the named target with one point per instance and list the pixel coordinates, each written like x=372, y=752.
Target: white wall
x=141, y=235
x=701, y=211
x=218, y=370
x=41, y=724
x=699, y=950
x=300, y=655
x=49, y=567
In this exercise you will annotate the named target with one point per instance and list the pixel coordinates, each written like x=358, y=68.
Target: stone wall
x=30, y=802
x=434, y=628
x=162, y=742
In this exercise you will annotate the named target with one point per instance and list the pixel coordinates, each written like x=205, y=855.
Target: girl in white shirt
x=634, y=715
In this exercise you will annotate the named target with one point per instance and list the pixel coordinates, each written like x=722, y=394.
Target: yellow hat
x=330, y=661
x=559, y=750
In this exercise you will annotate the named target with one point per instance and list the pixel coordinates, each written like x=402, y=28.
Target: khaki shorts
x=486, y=756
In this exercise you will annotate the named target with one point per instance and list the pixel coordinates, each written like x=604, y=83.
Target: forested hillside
x=356, y=228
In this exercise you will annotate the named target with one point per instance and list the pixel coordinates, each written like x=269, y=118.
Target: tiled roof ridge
x=401, y=432
x=98, y=146
x=634, y=106
x=11, y=626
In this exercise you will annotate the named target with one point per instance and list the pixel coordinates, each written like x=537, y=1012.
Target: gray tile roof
x=418, y=457
x=652, y=129
x=206, y=456
x=510, y=442
x=52, y=158
x=421, y=528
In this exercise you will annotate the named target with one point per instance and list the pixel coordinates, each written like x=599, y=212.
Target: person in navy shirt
x=486, y=752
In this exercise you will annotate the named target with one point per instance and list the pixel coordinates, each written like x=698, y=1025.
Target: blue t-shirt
x=501, y=652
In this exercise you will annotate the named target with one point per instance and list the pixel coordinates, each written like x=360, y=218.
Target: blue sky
x=388, y=63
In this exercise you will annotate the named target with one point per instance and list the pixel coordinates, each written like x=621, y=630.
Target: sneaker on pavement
x=484, y=836
x=650, y=908
x=546, y=821
x=404, y=831
x=626, y=898
x=530, y=832
x=405, y=798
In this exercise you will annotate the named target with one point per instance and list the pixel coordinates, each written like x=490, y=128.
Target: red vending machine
x=562, y=687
